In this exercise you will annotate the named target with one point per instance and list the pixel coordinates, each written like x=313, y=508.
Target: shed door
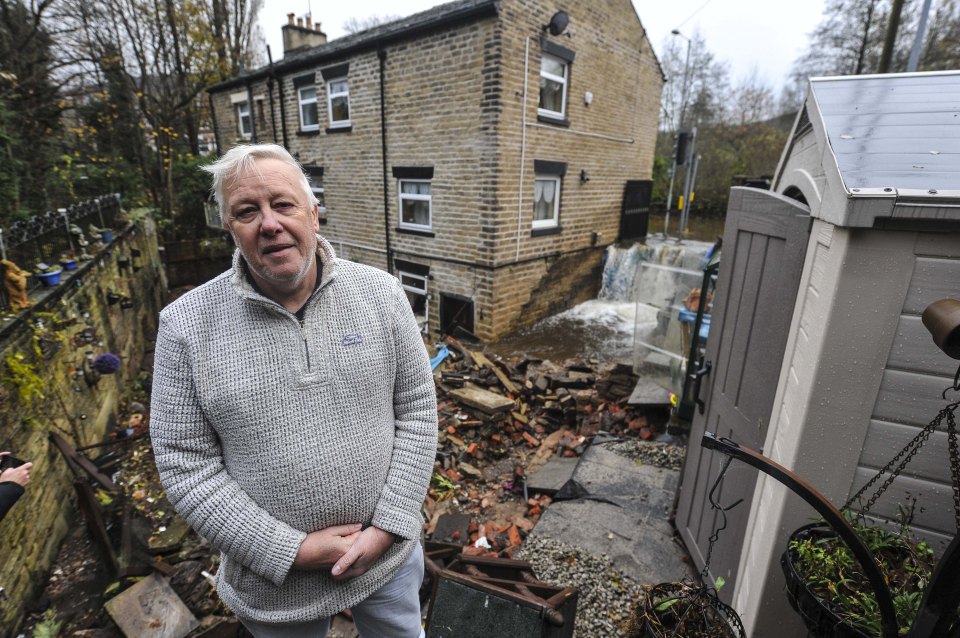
x=764, y=244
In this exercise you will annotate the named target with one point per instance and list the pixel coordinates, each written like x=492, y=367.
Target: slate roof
x=894, y=131
x=404, y=28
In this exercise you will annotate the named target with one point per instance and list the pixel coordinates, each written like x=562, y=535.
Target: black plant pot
x=820, y=619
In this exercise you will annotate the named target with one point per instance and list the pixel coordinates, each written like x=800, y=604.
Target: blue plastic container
x=107, y=236
x=50, y=279
x=69, y=264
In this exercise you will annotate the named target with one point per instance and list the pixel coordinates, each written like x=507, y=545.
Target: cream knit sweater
x=265, y=428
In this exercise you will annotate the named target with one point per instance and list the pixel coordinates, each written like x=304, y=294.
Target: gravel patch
x=663, y=455
x=607, y=597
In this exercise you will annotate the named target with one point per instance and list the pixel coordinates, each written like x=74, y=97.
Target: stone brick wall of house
x=433, y=86
x=612, y=139
x=454, y=103
x=537, y=289
x=32, y=531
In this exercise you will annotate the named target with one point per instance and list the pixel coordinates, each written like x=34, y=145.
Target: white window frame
x=317, y=191
x=555, y=220
x=422, y=291
x=415, y=197
x=244, y=108
x=556, y=78
x=302, y=103
x=330, y=95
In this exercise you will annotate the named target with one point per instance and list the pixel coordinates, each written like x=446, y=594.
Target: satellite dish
x=558, y=23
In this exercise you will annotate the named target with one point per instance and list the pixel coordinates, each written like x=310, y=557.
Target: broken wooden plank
x=75, y=459
x=484, y=400
x=507, y=383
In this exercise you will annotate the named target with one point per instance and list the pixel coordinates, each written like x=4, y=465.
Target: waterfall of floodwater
x=643, y=287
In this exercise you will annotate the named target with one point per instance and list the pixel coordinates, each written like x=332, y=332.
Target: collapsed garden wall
x=109, y=304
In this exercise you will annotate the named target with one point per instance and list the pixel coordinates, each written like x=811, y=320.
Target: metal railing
x=47, y=237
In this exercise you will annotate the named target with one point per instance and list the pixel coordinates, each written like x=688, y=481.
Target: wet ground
x=601, y=330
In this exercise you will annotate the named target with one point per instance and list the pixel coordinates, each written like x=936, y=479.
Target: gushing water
x=643, y=288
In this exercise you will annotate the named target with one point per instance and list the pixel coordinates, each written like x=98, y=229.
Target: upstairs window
x=244, y=125
x=415, y=201
x=338, y=102
x=553, y=87
x=555, y=64
x=307, y=99
x=415, y=192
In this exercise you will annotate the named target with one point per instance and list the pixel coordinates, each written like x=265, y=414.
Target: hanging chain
x=705, y=572
x=954, y=466
x=905, y=455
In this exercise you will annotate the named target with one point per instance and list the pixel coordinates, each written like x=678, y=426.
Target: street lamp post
x=683, y=108
x=686, y=77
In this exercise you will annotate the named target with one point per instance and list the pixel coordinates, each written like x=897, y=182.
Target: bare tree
x=356, y=25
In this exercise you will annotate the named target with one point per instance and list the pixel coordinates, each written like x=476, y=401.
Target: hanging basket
x=684, y=610
x=836, y=611
x=820, y=619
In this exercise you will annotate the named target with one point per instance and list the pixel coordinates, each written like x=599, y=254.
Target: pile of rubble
x=501, y=421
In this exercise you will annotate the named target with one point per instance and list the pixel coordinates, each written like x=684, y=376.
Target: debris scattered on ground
x=500, y=422
x=607, y=597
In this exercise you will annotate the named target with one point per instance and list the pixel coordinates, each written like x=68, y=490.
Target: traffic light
x=682, y=138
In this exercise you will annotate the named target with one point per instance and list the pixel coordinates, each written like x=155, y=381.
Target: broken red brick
x=531, y=441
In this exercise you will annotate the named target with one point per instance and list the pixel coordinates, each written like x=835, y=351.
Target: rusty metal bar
x=832, y=516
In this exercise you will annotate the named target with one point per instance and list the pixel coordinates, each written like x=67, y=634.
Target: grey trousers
x=393, y=611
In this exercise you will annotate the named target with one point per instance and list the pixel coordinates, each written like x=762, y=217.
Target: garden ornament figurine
x=15, y=282
x=294, y=417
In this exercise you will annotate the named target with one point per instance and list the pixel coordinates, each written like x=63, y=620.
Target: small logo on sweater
x=352, y=340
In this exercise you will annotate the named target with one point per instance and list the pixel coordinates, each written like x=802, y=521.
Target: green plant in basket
x=832, y=574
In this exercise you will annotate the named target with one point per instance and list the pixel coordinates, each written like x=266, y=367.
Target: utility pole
x=687, y=182
x=918, y=41
x=688, y=202
x=679, y=158
x=680, y=152
x=891, y=37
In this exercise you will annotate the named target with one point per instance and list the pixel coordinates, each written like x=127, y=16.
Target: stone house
x=481, y=151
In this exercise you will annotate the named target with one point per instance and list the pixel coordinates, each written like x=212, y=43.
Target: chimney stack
x=302, y=34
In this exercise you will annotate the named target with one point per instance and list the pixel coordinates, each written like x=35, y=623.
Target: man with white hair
x=294, y=416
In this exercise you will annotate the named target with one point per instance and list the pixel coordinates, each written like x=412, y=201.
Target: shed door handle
x=697, y=380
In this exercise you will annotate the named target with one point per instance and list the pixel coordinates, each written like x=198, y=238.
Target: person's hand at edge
x=19, y=475
x=323, y=548
x=371, y=545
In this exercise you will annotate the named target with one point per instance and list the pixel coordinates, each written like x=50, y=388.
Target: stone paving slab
x=650, y=392
x=623, y=514
x=552, y=476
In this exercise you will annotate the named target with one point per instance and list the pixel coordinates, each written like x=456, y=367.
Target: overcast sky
x=751, y=35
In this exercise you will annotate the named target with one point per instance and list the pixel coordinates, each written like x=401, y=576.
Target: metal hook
x=716, y=486
x=955, y=387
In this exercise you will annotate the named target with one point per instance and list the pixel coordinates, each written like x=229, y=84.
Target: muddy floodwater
x=595, y=329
